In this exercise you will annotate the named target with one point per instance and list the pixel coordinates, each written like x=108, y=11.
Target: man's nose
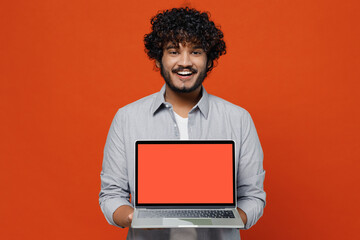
x=185, y=60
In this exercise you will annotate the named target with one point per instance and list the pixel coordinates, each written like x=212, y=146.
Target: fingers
x=130, y=217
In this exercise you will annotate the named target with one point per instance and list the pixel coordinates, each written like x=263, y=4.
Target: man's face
x=183, y=67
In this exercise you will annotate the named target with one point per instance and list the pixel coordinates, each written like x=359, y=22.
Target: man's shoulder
x=142, y=102
x=221, y=104
x=139, y=106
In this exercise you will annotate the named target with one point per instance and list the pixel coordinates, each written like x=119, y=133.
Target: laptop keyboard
x=186, y=214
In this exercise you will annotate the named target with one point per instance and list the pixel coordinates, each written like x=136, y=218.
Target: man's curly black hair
x=184, y=25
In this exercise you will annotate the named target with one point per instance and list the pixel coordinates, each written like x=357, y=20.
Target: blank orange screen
x=185, y=173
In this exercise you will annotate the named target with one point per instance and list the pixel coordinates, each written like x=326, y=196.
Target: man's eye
x=173, y=52
x=197, y=52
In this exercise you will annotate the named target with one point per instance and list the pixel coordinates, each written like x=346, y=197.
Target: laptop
x=185, y=184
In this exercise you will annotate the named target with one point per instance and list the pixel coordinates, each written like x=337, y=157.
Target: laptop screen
x=184, y=173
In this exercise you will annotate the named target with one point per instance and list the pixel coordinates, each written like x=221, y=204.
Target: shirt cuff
x=253, y=208
x=109, y=206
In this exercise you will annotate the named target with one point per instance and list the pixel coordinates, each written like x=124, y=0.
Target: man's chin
x=183, y=89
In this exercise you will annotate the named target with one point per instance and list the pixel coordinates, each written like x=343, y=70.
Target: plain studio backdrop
x=67, y=66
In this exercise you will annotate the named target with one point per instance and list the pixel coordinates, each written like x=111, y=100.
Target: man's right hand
x=123, y=216
x=130, y=217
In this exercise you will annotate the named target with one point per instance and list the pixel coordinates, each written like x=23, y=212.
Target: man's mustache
x=179, y=69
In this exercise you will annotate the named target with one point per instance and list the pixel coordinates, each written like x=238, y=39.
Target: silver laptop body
x=192, y=201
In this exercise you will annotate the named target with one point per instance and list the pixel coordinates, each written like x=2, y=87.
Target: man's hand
x=130, y=217
x=123, y=216
x=242, y=215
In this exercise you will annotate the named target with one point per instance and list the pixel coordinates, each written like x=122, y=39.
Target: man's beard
x=166, y=75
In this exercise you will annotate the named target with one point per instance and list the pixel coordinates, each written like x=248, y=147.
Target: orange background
x=196, y=173
x=67, y=66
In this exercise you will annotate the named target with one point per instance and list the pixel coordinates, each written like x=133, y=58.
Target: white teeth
x=184, y=73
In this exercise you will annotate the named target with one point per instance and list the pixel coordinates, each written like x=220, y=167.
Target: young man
x=184, y=44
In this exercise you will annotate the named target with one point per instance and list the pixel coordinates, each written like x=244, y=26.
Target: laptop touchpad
x=186, y=221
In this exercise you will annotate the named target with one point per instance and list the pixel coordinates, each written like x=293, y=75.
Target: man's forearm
x=242, y=215
x=123, y=216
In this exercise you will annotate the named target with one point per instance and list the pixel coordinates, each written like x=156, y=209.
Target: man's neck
x=182, y=102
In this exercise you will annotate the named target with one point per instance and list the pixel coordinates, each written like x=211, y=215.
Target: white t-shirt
x=183, y=126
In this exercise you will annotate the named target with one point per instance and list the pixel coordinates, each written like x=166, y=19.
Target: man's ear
x=209, y=64
x=157, y=63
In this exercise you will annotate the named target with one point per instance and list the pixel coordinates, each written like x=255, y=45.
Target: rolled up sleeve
x=114, y=178
x=250, y=190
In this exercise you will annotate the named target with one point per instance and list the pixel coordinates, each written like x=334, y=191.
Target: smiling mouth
x=184, y=74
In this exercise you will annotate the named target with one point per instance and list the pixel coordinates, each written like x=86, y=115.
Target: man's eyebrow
x=170, y=47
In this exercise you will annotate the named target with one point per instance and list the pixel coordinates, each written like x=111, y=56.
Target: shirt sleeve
x=114, y=178
x=250, y=179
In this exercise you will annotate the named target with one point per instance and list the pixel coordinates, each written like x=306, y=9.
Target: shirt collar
x=203, y=104
x=159, y=100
